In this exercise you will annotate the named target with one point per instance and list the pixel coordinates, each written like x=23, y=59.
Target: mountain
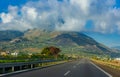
x=69, y=42
x=75, y=37
x=81, y=42
x=9, y=35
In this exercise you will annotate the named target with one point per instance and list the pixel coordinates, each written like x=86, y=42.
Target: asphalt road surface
x=80, y=68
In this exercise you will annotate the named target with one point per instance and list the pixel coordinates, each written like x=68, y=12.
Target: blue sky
x=5, y=3
x=99, y=19
x=110, y=40
x=117, y=3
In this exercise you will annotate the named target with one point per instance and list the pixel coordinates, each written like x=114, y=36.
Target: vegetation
x=9, y=35
x=115, y=64
x=34, y=41
x=107, y=64
x=51, y=51
x=47, y=53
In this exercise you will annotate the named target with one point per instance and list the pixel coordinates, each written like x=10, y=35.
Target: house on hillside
x=14, y=54
x=117, y=59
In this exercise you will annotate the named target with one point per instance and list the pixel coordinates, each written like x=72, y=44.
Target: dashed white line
x=67, y=73
x=101, y=69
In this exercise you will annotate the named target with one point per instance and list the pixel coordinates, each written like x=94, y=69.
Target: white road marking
x=67, y=73
x=101, y=69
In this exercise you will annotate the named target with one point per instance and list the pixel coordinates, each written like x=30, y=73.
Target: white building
x=14, y=54
x=117, y=58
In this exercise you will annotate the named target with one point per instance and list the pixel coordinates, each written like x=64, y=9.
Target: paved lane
x=81, y=68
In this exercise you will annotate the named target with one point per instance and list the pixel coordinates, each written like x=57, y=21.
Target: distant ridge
x=9, y=35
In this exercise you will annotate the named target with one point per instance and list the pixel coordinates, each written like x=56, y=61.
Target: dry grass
x=37, y=50
x=113, y=63
x=112, y=67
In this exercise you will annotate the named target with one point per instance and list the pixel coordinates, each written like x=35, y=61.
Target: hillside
x=81, y=42
x=70, y=43
x=78, y=38
x=9, y=35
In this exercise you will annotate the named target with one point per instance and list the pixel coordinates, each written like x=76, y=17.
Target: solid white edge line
x=67, y=73
x=101, y=70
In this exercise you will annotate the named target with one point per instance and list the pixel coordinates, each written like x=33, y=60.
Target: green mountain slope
x=9, y=35
x=81, y=42
x=69, y=42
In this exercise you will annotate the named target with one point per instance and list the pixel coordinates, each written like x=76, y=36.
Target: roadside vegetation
x=47, y=53
x=109, y=65
x=109, y=62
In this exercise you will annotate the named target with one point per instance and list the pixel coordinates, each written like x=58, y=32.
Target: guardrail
x=13, y=67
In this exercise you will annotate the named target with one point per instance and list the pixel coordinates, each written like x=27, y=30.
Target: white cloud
x=13, y=10
x=6, y=18
x=70, y=15
x=83, y=4
x=29, y=12
x=71, y=25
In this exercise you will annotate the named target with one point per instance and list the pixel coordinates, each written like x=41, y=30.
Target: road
x=80, y=68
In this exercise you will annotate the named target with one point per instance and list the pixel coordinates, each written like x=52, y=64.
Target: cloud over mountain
x=66, y=15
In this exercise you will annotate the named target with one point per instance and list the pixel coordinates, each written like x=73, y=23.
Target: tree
x=51, y=51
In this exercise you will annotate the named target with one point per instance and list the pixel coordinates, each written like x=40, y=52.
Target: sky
x=99, y=19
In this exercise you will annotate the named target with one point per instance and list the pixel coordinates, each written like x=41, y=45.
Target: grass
x=13, y=61
x=111, y=63
x=110, y=66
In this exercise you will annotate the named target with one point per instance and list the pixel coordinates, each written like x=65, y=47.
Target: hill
x=81, y=42
x=69, y=42
x=9, y=35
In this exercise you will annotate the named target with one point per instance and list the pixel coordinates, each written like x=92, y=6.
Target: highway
x=80, y=68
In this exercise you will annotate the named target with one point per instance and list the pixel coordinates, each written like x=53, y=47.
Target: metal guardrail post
x=3, y=70
x=13, y=68
x=31, y=65
x=20, y=67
